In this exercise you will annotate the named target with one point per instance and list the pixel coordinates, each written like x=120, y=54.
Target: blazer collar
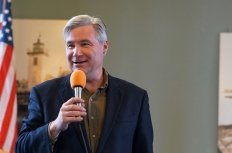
x=66, y=92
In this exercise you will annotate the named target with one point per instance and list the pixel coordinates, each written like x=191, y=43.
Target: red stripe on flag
x=14, y=139
x=5, y=66
x=8, y=115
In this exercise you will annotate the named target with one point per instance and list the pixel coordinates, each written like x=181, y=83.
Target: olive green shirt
x=95, y=105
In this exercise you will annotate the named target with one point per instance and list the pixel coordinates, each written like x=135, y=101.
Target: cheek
x=68, y=54
x=99, y=58
x=69, y=59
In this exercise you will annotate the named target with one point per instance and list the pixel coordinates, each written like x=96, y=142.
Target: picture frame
x=225, y=94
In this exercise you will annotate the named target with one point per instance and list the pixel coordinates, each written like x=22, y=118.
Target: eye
x=70, y=45
x=86, y=44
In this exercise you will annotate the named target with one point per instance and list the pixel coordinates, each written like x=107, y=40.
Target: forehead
x=86, y=31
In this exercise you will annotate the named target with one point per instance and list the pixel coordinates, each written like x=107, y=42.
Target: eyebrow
x=69, y=42
x=84, y=40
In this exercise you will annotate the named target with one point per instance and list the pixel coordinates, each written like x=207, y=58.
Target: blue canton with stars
x=6, y=34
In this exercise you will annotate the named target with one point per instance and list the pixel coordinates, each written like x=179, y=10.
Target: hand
x=69, y=112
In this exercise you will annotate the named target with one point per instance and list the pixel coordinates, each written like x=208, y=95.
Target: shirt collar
x=105, y=79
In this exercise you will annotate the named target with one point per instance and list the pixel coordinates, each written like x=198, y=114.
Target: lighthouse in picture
x=35, y=60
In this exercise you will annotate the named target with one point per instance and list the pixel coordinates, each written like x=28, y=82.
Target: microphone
x=78, y=81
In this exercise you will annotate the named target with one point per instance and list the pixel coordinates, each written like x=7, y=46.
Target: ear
x=105, y=47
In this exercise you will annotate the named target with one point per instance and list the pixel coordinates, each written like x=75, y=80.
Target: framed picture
x=39, y=55
x=225, y=94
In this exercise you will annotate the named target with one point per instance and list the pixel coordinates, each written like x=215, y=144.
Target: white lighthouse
x=35, y=60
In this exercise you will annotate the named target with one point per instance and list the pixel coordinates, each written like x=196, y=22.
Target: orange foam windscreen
x=78, y=79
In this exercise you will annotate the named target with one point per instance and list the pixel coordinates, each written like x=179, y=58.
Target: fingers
x=72, y=112
x=67, y=116
x=74, y=100
x=69, y=109
x=62, y=121
x=72, y=107
x=74, y=119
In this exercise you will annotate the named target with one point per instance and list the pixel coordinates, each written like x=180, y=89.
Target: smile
x=80, y=62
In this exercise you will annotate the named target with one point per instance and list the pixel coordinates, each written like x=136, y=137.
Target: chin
x=77, y=68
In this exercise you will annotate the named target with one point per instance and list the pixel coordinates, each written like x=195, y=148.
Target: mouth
x=78, y=62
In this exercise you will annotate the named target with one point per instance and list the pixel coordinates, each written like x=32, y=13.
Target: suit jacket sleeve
x=143, y=138
x=33, y=136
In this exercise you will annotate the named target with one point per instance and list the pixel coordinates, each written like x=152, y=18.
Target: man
x=114, y=116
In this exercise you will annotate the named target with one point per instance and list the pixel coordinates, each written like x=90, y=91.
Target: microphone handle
x=78, y=91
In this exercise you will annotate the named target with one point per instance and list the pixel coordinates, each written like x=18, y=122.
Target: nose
x=77, y=51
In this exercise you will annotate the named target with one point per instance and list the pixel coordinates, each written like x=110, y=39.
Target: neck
x=94, y=83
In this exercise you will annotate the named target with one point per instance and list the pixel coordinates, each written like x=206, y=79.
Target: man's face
x=84, y=51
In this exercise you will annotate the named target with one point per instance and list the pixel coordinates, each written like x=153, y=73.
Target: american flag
x=8, y=99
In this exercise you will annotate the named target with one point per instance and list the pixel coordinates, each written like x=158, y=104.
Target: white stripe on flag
x=7, y=87
x=11, y=130
x=2, y=52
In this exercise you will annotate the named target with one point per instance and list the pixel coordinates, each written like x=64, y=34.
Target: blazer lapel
x=114, y=103
x=82, y=135
x=66, y=92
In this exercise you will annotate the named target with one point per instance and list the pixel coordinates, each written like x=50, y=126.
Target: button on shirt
x=95, y=105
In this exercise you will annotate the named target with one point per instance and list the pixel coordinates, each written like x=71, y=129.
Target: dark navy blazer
x=127, y=127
